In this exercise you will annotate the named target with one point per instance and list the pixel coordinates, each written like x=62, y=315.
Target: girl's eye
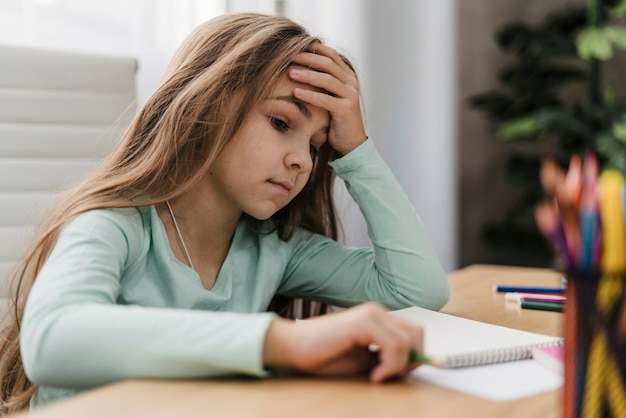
x=279, y=124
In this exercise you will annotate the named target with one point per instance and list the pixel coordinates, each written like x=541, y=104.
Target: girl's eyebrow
x=299, y=104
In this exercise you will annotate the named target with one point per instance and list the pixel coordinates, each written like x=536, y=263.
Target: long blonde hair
x=224, y=68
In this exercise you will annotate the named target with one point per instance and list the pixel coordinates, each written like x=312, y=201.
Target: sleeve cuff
x=364, y=153
x=256, y=367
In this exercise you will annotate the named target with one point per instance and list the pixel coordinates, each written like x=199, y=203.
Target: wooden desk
x=472, y=297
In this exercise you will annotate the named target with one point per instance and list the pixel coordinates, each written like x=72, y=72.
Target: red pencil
x=517, y=296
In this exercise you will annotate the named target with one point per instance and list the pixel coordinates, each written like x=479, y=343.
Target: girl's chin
x=264, y=212
x=262, y=216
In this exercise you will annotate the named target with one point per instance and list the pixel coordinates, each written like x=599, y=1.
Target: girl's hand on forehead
x=339, y=95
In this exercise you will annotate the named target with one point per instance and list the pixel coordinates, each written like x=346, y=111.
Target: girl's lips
x=284, y=186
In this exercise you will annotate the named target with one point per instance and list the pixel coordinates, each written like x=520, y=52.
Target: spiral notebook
x=455, y=342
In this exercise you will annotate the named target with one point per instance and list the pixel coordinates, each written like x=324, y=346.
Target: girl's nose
x=300, y=158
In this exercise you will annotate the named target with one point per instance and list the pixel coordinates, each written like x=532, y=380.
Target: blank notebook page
x=461, y=342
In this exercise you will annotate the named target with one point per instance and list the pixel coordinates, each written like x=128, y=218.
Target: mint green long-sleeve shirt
x=113, y=302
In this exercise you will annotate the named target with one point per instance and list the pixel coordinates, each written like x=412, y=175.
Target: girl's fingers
x=346, y=127
x=320, y=99
x=359, y=360
x=324, y=50
x=395, y=360
x=327, y=60
x=396, y=339
x=324, y=81
x=334, y=87
x=328, y=82
x=339, y=343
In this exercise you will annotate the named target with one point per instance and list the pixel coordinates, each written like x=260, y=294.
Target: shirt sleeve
x=74, y=334
x=400, y=270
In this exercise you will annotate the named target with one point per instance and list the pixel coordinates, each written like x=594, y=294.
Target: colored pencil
x=542, y=306
x=530, y=289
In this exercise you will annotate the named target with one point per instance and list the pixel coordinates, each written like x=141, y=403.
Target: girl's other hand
x=339, y=344
x=325, y=70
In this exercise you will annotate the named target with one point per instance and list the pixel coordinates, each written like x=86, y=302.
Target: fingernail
x=295, y=72
x=298, y=92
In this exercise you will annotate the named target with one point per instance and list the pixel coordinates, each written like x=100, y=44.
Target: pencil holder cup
x=595, y=345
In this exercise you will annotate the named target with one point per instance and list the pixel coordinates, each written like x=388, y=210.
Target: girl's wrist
x=347, y=150
x=277, y=348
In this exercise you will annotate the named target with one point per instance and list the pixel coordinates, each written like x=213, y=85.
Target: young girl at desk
x=219, y=197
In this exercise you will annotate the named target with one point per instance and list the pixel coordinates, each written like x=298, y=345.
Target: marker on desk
x=529, y=289
x=516, y=297
x=534, y=299
x=542, y=306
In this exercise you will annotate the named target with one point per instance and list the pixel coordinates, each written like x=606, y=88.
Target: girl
x=217, y=198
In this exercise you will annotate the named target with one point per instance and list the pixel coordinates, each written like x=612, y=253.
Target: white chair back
x=60, y=114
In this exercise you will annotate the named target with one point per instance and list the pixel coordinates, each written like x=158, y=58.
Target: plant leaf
x=605, y=144
x=609, y=95
x=594, y=43
x=619, y=130
x=619, y=10
x=520, y=127
x=617, y=35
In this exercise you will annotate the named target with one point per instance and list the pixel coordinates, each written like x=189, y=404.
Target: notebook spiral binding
x=494, y=356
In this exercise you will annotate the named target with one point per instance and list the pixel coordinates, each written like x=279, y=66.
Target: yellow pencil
x=613, y=232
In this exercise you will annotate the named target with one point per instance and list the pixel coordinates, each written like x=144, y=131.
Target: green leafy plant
x=553, y=94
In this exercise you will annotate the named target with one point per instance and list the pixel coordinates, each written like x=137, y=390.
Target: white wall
x=404, y=51
x=412, y=108
x=149, y=30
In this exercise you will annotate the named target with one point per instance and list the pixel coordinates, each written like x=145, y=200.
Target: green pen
x=415, y=356
x=542, y=306
x=419, y=357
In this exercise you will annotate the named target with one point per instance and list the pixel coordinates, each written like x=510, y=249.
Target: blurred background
x=454, y=93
